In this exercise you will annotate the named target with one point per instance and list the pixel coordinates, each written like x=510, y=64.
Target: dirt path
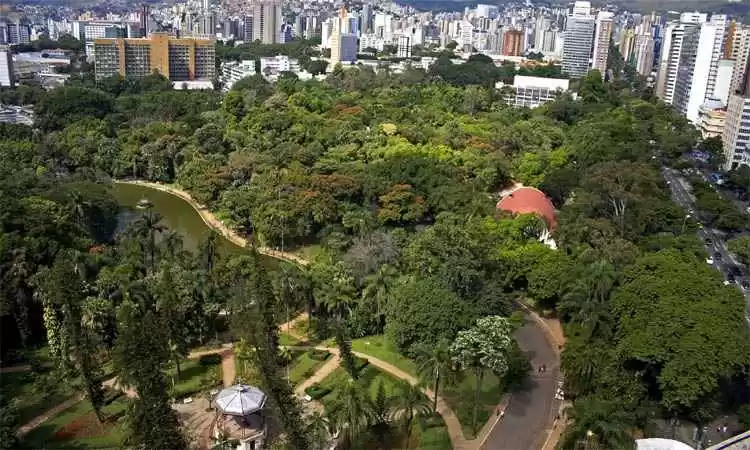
x=213, y=222
x=288, y=327
x=15, y=369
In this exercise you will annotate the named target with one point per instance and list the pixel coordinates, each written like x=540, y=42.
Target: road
x=713, y=240
x=530, y=412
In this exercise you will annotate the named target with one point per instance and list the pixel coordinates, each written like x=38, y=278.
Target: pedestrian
x=724, y=429
x=544, y=368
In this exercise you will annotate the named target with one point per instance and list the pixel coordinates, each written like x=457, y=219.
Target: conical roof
x=240, y=400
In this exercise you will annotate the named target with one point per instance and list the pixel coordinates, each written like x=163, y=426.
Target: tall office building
x=578, y=40
x=248, y=31
x=702, y=49
x=176, y=59
x=403, y=48
x=367, y=18
x=604, y=21
x=736, y=137
x=513, y=43
x=267, y=21
x=6, y=67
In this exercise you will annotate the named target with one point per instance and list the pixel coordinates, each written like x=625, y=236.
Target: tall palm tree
x=409, y=405
x=352, y=413
x=79, y=206
x=600, y=421
x=379, y=285
x=587, y=301
x=285, y=356
x=172, y=244
x=146, y=227
x=434, y=365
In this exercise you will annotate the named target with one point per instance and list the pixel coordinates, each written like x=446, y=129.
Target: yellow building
x=178, y=59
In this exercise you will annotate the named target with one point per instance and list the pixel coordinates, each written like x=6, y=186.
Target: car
x=747, y=209
x=717, y=255
x=745, y=284
x=709, y=241
x=727, y=282
x=709, y=260
x=734, y=270
x=730, y=278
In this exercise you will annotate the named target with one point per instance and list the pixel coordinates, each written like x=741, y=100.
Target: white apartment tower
x=604, y=21
x=578, y=40
x=669, y=60
x=702, y=49
x=267, y=21
x=6, y=67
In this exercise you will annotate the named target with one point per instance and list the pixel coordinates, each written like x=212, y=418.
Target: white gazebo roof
x=661, y=444
x=240, y=400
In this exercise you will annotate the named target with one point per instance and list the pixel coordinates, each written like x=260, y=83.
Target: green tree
x=598, y=423
x=740, y=246
x=484, y=346
x=409, y=405
x=435, y=366
x=351, y=414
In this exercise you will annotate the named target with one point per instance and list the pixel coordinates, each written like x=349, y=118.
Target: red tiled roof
x=529, y=200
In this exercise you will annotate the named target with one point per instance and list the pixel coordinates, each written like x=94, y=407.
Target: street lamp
x=589, y=436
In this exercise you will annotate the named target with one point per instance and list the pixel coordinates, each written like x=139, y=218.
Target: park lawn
x=34, y=393
x=433, y=435
x=78, y=428
x=308, y=252
x=460, y=397
x=191, y=379
x=288, y=339
x=304, y=366
x=380, y=347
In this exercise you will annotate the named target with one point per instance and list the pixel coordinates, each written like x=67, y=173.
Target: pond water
x=177, y=215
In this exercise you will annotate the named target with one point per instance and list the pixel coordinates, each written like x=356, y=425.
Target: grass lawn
x=288, y=339
x=304, y=365
x=379, y=347
x=433, y=435
x=78, y=428
x=461, y=399
x=308, y=252
x=190, y=381
x=34, y=393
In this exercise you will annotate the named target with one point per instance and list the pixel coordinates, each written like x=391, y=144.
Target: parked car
x=709, y=261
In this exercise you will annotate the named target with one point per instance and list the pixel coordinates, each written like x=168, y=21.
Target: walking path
x=38, y=420
x=213, y=222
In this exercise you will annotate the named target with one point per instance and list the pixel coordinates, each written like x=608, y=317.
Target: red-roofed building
x=529, y=200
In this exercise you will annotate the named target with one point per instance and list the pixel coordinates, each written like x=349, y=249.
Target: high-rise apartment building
x=643, y=54
x=671, y=49
x=739, y=51
x=702, y=49
x=602, y=36
x=267, y=21
x=176, y=59
x=513, y=43
x=343, y=42
x=6, y=67
x=578, y=40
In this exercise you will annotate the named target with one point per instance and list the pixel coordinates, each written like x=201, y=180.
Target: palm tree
x=587, y=302
x=379, y=285
x=352, y=413
x=289, y=287
x=172, y=243
x=78, y=208
x=434, y=365
x=286, y=358
x=602, y=422
x=146, y=228
x=408, y=405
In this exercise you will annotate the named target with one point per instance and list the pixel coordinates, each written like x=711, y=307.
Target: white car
x=709, y=261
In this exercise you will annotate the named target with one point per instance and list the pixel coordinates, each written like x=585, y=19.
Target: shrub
x=210, y=360
x=317, y=391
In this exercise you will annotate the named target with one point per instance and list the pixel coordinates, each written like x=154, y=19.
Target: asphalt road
x=529, y=413
x=713, y=240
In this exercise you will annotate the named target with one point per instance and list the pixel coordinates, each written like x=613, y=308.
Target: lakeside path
x=214, y=223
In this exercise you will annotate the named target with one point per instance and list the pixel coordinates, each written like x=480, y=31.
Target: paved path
x=288, y=327
x=530, y=415
x=213, y=222
x=38, y=420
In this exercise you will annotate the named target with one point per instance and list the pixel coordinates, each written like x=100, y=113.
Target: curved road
x=530, y=413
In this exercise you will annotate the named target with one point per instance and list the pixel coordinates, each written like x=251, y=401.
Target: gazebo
x=240, y=416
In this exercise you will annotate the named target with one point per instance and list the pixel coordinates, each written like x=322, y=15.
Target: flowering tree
x=483, y=346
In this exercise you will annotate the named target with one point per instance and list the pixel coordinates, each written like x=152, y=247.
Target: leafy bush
x=210, y=360
x=318, y=355
x=317, y=391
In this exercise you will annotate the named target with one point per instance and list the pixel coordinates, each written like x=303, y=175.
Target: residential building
x=403, y=47
x=267, y=21
x=671, y=49
x=7, y=78
x=644, y=54
x=722, y=88
x=698, y=67
x=272, y=66
x=736, y=137
x=530, y=92
x=513, y=43
x=711, y=118
x=578, y=41
x=177, y=59
x=740, y=53
x=343, y=43
x=602, y=37
x=234, y=71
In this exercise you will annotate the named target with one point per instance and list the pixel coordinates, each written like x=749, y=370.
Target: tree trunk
x=480, y=376
x=177, y=363
x=435, y=391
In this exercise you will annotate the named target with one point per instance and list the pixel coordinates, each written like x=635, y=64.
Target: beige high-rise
x=604, y=21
